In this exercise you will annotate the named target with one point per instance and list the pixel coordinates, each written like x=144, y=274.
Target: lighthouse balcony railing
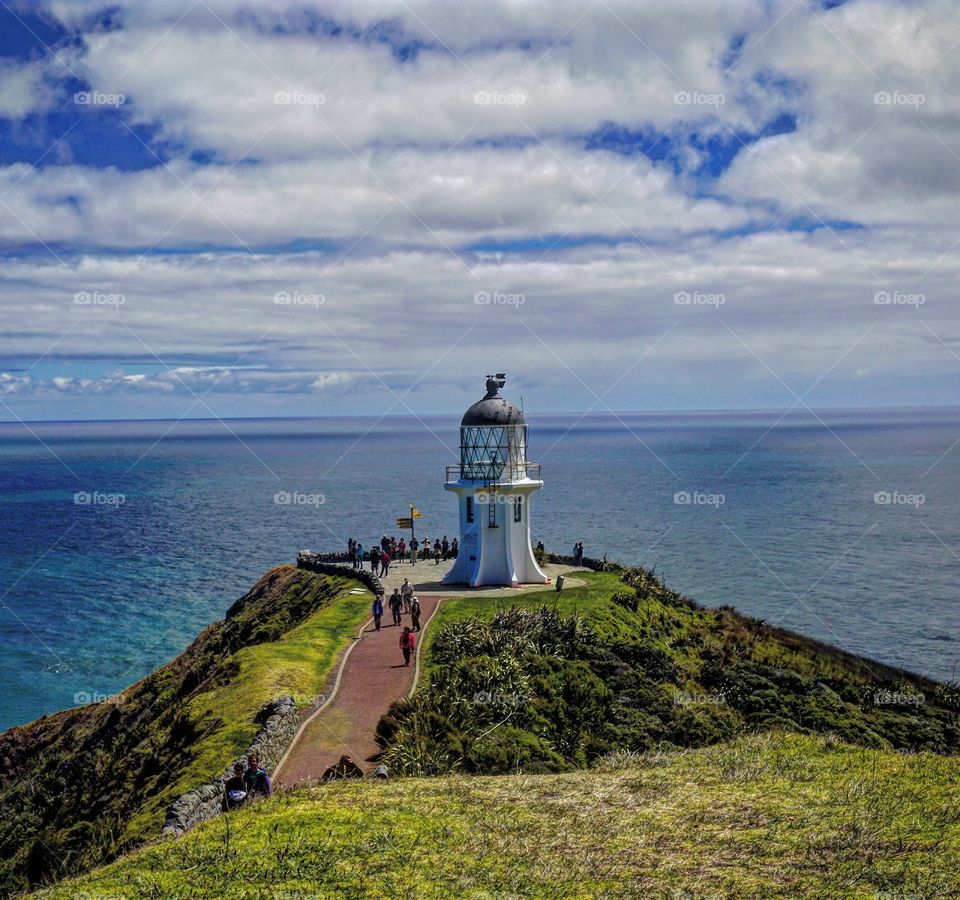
x=496, y=473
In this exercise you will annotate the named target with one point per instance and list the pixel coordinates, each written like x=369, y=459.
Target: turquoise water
x=782, y=523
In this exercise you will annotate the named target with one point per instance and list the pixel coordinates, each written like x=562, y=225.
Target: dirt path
x=372, y=677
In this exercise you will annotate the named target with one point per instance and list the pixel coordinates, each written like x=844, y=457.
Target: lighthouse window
x=469, y=509
x=518, y=509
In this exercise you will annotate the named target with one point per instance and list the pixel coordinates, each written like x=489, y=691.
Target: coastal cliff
x=83, y=785
x=620, y=674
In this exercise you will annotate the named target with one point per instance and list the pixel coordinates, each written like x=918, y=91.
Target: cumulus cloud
x=397, y=173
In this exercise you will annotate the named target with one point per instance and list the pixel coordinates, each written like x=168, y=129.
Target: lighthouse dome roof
x=493, y=410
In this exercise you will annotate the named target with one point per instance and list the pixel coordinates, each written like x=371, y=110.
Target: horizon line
x=433, y=415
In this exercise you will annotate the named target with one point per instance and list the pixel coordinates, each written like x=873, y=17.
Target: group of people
x=402, y=602
x=388, y=549
x=246, y=783
x=578, y=553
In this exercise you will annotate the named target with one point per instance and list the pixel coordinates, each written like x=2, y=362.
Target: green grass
x=96, y=781
x=764, y=815
x=299, y=663
x=585, y=601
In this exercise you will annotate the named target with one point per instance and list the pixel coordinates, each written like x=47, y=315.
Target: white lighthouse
x=493, y=484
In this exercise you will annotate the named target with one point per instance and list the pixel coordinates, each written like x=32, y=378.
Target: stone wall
x=281, y=719
x=337, y=564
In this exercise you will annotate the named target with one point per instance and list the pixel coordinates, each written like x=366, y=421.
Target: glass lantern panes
x=493, y=452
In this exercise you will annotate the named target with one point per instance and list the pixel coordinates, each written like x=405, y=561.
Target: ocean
x=120, y=541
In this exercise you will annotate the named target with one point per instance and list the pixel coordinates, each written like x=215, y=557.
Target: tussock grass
x=764, y=815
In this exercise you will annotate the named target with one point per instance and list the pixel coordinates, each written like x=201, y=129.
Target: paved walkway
x=371, y=679
x=372, y=676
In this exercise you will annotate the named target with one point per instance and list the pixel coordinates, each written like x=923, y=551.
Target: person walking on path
x=408, y=643
x=415, y=613
x=377, y=611
x=374, y=559
x=395, y=604
x=384, y=564
x=406, y=592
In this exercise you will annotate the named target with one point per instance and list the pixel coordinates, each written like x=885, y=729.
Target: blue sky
x=215, y=209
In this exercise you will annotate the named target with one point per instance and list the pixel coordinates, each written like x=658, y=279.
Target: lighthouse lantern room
x=493, y=484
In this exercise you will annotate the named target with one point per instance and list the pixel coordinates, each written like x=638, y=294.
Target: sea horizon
x=790, y=529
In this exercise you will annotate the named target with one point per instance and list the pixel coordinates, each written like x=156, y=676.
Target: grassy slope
x=765, y=815
x=680, y=631
x=298, y=663
x=586, y=601
x=80, y=786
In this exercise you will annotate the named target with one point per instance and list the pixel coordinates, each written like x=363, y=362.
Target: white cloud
x=397, y=282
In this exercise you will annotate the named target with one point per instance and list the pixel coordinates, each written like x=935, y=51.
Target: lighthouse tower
x=493, y=485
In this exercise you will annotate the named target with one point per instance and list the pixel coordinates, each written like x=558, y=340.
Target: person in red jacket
x=408, y=643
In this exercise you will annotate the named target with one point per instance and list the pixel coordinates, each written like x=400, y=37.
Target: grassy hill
x=78, y=787
x=551, y=682
x=611, y=739
x=765, y=815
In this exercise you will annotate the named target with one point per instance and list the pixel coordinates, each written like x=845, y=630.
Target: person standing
x=395, y=604
x=406, y=592
x=415, y=613
x=384, y=564
x=445, y=547
x=377, y=611
x=358, y=556
x=408, y=643
x=414, y=546
x=455, y=548
x=402, y=548
x=436, y=552
x=374, y=559
x=256, y=778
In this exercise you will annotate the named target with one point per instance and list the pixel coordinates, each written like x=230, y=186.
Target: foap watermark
x=499, y=298
x=899, y=98
x=499, y=98
x=298, y=498
x=98, y=498
x=699, y=98
x=898, y=698
x=298, y=298
x=698, y=298
x=98, y=298
x=688, y=698
x=299, y=98
x=898, y=298
x=497, y=698
x=85, y=698
x=698, y=498
x=899, y=498
x=499, y=499
x=98, y=98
